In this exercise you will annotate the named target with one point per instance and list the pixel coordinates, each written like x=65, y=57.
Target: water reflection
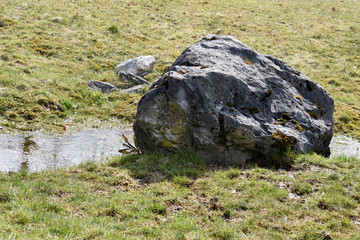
x=28, y=146
x=42, y=151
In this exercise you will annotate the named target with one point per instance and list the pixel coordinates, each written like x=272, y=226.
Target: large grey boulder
x=232, y=105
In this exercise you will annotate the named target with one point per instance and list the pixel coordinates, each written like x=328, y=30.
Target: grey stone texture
x=232, y=105
x=101, y=86
x=134, y=89
x=139, y=66
x=130, y=77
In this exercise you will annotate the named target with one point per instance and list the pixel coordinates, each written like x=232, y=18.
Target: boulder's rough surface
x=232, y=105
x=139, y=66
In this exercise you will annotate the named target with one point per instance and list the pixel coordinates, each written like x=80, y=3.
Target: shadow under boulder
x=232, y=105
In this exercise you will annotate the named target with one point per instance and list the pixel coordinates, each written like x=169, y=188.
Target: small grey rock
x=101, y=86
x=2, y=24
x=3, y=90
x=134, y=89
x=130, y=77
x=139, y=66
x=57, y=19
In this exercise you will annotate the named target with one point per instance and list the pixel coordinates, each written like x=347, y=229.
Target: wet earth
x=38, y=152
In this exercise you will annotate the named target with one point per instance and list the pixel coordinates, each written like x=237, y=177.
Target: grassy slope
x=157, y=197
x=50, y=49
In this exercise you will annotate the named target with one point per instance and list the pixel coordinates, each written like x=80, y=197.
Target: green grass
x=50, y=50
x=179, y=197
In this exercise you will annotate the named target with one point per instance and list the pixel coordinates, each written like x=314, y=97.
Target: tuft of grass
x=67, y=103
x=301, y=188
x=113, y=29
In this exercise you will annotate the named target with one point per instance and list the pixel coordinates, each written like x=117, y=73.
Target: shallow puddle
x=342, y=145
x=37, y=152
